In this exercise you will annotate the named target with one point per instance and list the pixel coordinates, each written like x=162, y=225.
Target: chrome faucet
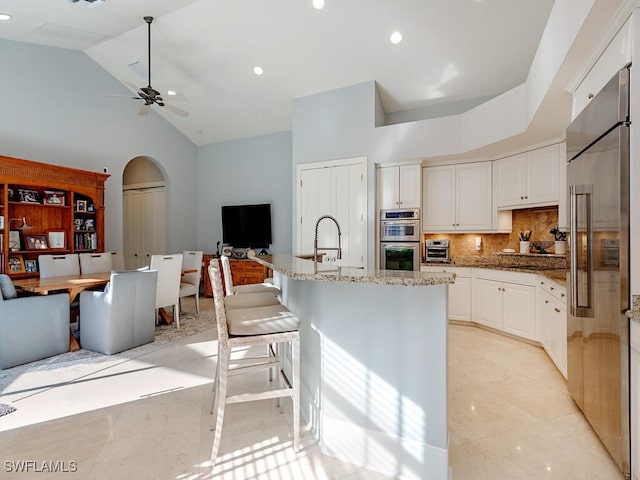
x=315, y=238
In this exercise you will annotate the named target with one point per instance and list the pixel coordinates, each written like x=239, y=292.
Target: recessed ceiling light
x=170, y=92
x=5, y=16
x=396, y=38
x=258, y=70
x=319, y=4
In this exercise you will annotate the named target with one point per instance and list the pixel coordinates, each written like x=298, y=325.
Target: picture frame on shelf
x=52, y=197
x=28, y=196
x=12, y=195
x=16, y=263
x=78, y=224
x=30, y=266
x=57, y=239
x=14, y=240
x=81, y=205
x=36, y=242
x=1, y=222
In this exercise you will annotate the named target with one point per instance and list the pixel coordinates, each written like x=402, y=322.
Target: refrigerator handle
x=581, y=304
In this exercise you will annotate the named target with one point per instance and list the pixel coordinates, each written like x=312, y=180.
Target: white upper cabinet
x=615, y=56
x=399, y=187
x=563, y=199
x=457, y=198
x=529, y=179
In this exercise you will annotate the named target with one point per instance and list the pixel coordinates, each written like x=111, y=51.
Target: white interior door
x=339, y=189
x=350, y=210
x=144, y=213
x=314, y=200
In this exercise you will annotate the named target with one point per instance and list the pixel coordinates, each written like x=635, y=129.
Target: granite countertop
x=634, y=313
x=303, y=269
x=551, y=266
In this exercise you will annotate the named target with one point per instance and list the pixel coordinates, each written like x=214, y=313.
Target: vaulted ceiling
x=454, y=53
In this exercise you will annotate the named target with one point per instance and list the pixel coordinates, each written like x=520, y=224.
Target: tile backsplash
x=539, y=220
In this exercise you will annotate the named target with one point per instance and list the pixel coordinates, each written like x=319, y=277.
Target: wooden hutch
x=64, y=206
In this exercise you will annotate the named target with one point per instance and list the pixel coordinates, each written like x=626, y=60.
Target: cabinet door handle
x=562, y=295
x=551, y=288
x=521, y=197
x=546, y=301
x=526, y=197
x=556, y=309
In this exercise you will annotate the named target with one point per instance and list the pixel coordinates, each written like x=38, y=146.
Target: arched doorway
x=143, y=212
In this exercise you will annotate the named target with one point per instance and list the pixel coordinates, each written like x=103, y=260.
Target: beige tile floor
x=148, y=418
x=511, y=416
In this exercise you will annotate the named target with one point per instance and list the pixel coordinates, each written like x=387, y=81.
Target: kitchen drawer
x=519, y=278
x=461, y=272
x=556, y=290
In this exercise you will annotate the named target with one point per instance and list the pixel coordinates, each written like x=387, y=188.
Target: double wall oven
x=400, y=239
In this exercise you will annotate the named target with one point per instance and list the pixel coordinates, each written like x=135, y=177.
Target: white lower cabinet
x=635, y=401
x=505, y=301
x=459, y=292
x=552, y=322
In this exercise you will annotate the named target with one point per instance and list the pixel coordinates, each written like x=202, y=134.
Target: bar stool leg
x=295, y=357
x=221, y=394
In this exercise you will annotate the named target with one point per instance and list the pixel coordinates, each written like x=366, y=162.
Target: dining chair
x=95, y=262
x=232, y=289
x=169, y=269
x=190, y=282
x=117, y=260
x=123, y=315
x=248, y=327
x=58, y=265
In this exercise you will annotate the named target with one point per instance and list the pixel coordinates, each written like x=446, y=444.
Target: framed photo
x=16, y=263
x=78, y=224
x=52, y=197
x=35, y=242
x=14, y=240
x=1, y=222
x=57, y=239
x=28, y=196
x=30, y=266
x=81, y=205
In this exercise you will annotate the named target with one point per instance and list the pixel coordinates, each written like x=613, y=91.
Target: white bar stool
x=246, y=327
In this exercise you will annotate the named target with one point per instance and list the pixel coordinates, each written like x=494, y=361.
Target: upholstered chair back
x=58, y=265
x=169, y=268
x=95, y=262
x=123, y=315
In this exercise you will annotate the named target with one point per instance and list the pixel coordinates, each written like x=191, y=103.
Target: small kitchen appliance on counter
x=436, y=251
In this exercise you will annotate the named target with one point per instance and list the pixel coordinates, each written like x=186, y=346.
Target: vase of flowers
x=560, y=241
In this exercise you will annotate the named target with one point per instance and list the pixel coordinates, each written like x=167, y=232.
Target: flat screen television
x=246, y=226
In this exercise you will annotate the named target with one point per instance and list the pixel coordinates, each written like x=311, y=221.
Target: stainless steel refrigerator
x=598, y=259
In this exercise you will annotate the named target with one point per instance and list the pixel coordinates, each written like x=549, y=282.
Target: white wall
x=251, y=170
x=52, y=112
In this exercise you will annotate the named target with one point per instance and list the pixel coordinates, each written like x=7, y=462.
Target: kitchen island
x=373, y=363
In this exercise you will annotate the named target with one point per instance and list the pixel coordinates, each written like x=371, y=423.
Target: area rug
x=70, y=366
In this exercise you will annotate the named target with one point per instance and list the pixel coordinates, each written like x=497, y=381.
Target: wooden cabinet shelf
x=50, y=198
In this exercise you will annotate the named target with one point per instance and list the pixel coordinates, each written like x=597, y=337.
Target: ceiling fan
x=149, y=94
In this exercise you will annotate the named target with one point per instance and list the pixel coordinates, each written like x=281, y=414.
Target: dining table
x=74, y=284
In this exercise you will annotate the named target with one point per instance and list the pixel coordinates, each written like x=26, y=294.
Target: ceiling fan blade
x=132, y=86
x=178, y=97
x=119, y=96
x=177, y=111
x=144, y=110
